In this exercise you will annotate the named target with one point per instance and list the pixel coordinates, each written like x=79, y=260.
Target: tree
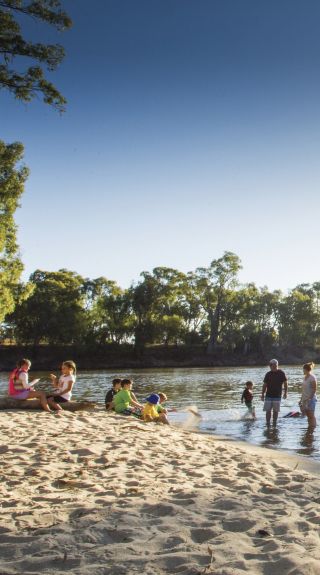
x=54, y=313
x=298, y=318
x=215, y=283
x=12, y=179
x=157, y=296
x=108, y=310
x=14, y=49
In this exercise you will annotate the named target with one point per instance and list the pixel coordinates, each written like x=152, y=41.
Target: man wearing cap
x=273, y=382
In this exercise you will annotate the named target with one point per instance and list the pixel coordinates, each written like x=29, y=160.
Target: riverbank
x=112, y=356
x=98, y=493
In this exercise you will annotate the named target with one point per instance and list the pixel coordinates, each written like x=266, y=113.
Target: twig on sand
x=208, y=567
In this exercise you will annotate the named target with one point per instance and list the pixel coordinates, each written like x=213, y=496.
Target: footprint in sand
x=238, y=524
x=202, y=535
x=160, y=510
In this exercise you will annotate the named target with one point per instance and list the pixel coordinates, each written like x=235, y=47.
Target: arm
x=242, y=397
x=285, y=389
x=264, y=388
x=54, y=380
x=135, y=403
x=63, y=388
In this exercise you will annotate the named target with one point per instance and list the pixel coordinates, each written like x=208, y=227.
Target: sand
x=102, y=494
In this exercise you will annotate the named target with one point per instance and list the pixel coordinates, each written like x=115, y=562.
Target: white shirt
x=307, y=387
x=63, y=385
x=24, y=380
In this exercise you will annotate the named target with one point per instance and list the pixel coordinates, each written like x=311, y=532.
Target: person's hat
x=153, y=398
x=273, y=362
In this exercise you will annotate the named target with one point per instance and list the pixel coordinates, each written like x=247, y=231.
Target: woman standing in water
x=308, y=397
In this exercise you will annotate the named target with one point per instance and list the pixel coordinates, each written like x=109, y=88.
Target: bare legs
x=54, y=405
x=312, y=422
x=163, y=418
x=42, y=397
x=274, y=417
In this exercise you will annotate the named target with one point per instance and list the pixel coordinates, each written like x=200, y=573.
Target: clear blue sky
x=192, y=127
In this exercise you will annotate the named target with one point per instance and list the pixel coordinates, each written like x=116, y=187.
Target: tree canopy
x=23, y=80
x=12, y=179
x=207, y=307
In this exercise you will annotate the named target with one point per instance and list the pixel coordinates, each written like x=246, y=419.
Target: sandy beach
x=96, y=493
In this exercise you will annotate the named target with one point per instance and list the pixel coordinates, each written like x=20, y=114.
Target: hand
x=53, y=377
x=285, y=395
x=262, y=397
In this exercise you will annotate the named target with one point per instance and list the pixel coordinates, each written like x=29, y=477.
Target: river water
x=216, y=393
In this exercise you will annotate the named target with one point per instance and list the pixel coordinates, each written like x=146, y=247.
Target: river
x=216, y=393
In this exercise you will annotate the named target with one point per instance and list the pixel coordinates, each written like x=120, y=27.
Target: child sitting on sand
x=20, y=388
x=161, y=408
x=116, y=386
x=247, y=397
x=150, y=411
x=123, y=401
x=64, y=385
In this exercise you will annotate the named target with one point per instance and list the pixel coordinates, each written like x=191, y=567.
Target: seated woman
x=19, y=388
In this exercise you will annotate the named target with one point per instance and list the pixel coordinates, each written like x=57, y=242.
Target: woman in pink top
x=20, y=388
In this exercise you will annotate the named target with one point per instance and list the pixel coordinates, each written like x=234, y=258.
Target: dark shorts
x=125, y=412
x=57, y=398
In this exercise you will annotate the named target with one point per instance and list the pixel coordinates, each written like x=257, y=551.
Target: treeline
x=205, y=307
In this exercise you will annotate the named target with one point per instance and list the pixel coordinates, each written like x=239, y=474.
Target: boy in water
x=116, y=386
x=247, y=398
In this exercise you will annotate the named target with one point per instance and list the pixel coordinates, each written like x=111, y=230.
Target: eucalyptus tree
x=12, y=178
x=256, y=311
x=155, y=300
x=54, y=313
x=25, y=81
x=108, y=311
x=215, y=284
x=298, y=318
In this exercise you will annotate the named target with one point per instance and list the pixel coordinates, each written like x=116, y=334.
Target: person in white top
x=63, y=386
x=308, y=396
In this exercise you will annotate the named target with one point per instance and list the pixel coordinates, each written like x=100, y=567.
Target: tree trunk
x=11, y=403
x=214, y=319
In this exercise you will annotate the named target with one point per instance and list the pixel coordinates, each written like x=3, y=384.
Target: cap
x=153, y=398
x=273, y=361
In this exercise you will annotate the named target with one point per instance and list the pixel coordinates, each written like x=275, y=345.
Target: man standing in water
x=272, y=391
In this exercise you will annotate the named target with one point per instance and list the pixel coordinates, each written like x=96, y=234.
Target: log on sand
x=10, y=403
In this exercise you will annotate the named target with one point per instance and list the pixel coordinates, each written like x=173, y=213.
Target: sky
x=192, y=128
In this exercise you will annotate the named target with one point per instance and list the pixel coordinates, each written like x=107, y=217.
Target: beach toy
x=153, y=398
x=293, y=414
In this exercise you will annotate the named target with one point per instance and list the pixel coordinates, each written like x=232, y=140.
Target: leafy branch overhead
x=26, y=82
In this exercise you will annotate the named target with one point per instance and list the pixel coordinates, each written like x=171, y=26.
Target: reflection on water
x=216, y=392
x=271, y=437
x=307, y=442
